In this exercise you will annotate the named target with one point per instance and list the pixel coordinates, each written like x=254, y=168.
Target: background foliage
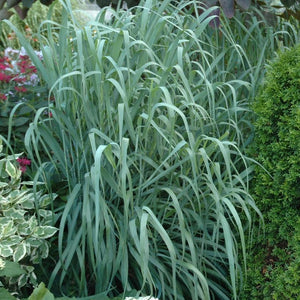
x=28, y=26
x=284, y=8
x=20, y=7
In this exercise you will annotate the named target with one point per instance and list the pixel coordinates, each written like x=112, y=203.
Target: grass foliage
x=144, y=145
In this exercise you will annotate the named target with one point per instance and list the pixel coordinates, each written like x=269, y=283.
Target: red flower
x=25, y=57
x=23, y=162
x=20, y=89
x=19, y=79
x=3, y=97
x=5, y=78
x=23, y=65
x=32, y=69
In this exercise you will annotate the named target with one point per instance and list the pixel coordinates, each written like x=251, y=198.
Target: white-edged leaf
x=19, y=252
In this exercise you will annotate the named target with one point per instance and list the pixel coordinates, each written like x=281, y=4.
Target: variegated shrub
x=22, y=235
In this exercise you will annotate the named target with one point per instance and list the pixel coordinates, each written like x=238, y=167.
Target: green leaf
x=11, y=269
x=11, y=240
x=288, y=3
x=10, y=169
x=27, y=3
x=20, y=121
x=3, y=185
x=244, y=3
x=14, y=213
x=6, y=250
x=4, y=294
x=44, y=232
x=228, y=7
x=5, y=13
x=28, y=203
x=103, y=3
x=8, y=229
x=41, y=293
x=20, y=252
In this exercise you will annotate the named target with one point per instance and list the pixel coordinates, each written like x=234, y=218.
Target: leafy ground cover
x=22, y=235
x=145, y=147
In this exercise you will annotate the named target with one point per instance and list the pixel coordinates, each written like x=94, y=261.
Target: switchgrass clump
x=144, y=145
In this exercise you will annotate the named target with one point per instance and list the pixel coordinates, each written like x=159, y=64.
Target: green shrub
x=277, y=146
x=277, y=193
x=23, y=234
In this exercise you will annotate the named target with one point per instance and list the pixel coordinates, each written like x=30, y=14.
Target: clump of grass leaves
x=144, y=146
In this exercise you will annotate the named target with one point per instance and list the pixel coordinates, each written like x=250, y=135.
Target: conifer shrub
x=276, y=186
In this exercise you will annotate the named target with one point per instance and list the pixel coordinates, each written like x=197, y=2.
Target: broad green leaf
x=3, y=185
x=28, y=202
x=46, y=199
x=244, y=3
x=14, y=213
x=11, y=269
x=288, y=3
x=41, y=293
x=32, y=224
x=10, y=169
x=44, y=232
x=47, y=216
x=27, y=3
x=34, y=242
x=4, y=294
x=7, y=229
x=20, y=121
x=24, y=229
x=11, y=240
x=6, y=250
x=228, y=7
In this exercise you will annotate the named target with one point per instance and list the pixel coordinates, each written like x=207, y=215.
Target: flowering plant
x=19, y=84
x=17, y=73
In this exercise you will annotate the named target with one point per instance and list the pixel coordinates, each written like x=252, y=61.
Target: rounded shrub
x=276, y=185
x=277, y=145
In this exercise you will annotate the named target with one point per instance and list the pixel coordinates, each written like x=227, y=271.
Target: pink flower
x=23, y=162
